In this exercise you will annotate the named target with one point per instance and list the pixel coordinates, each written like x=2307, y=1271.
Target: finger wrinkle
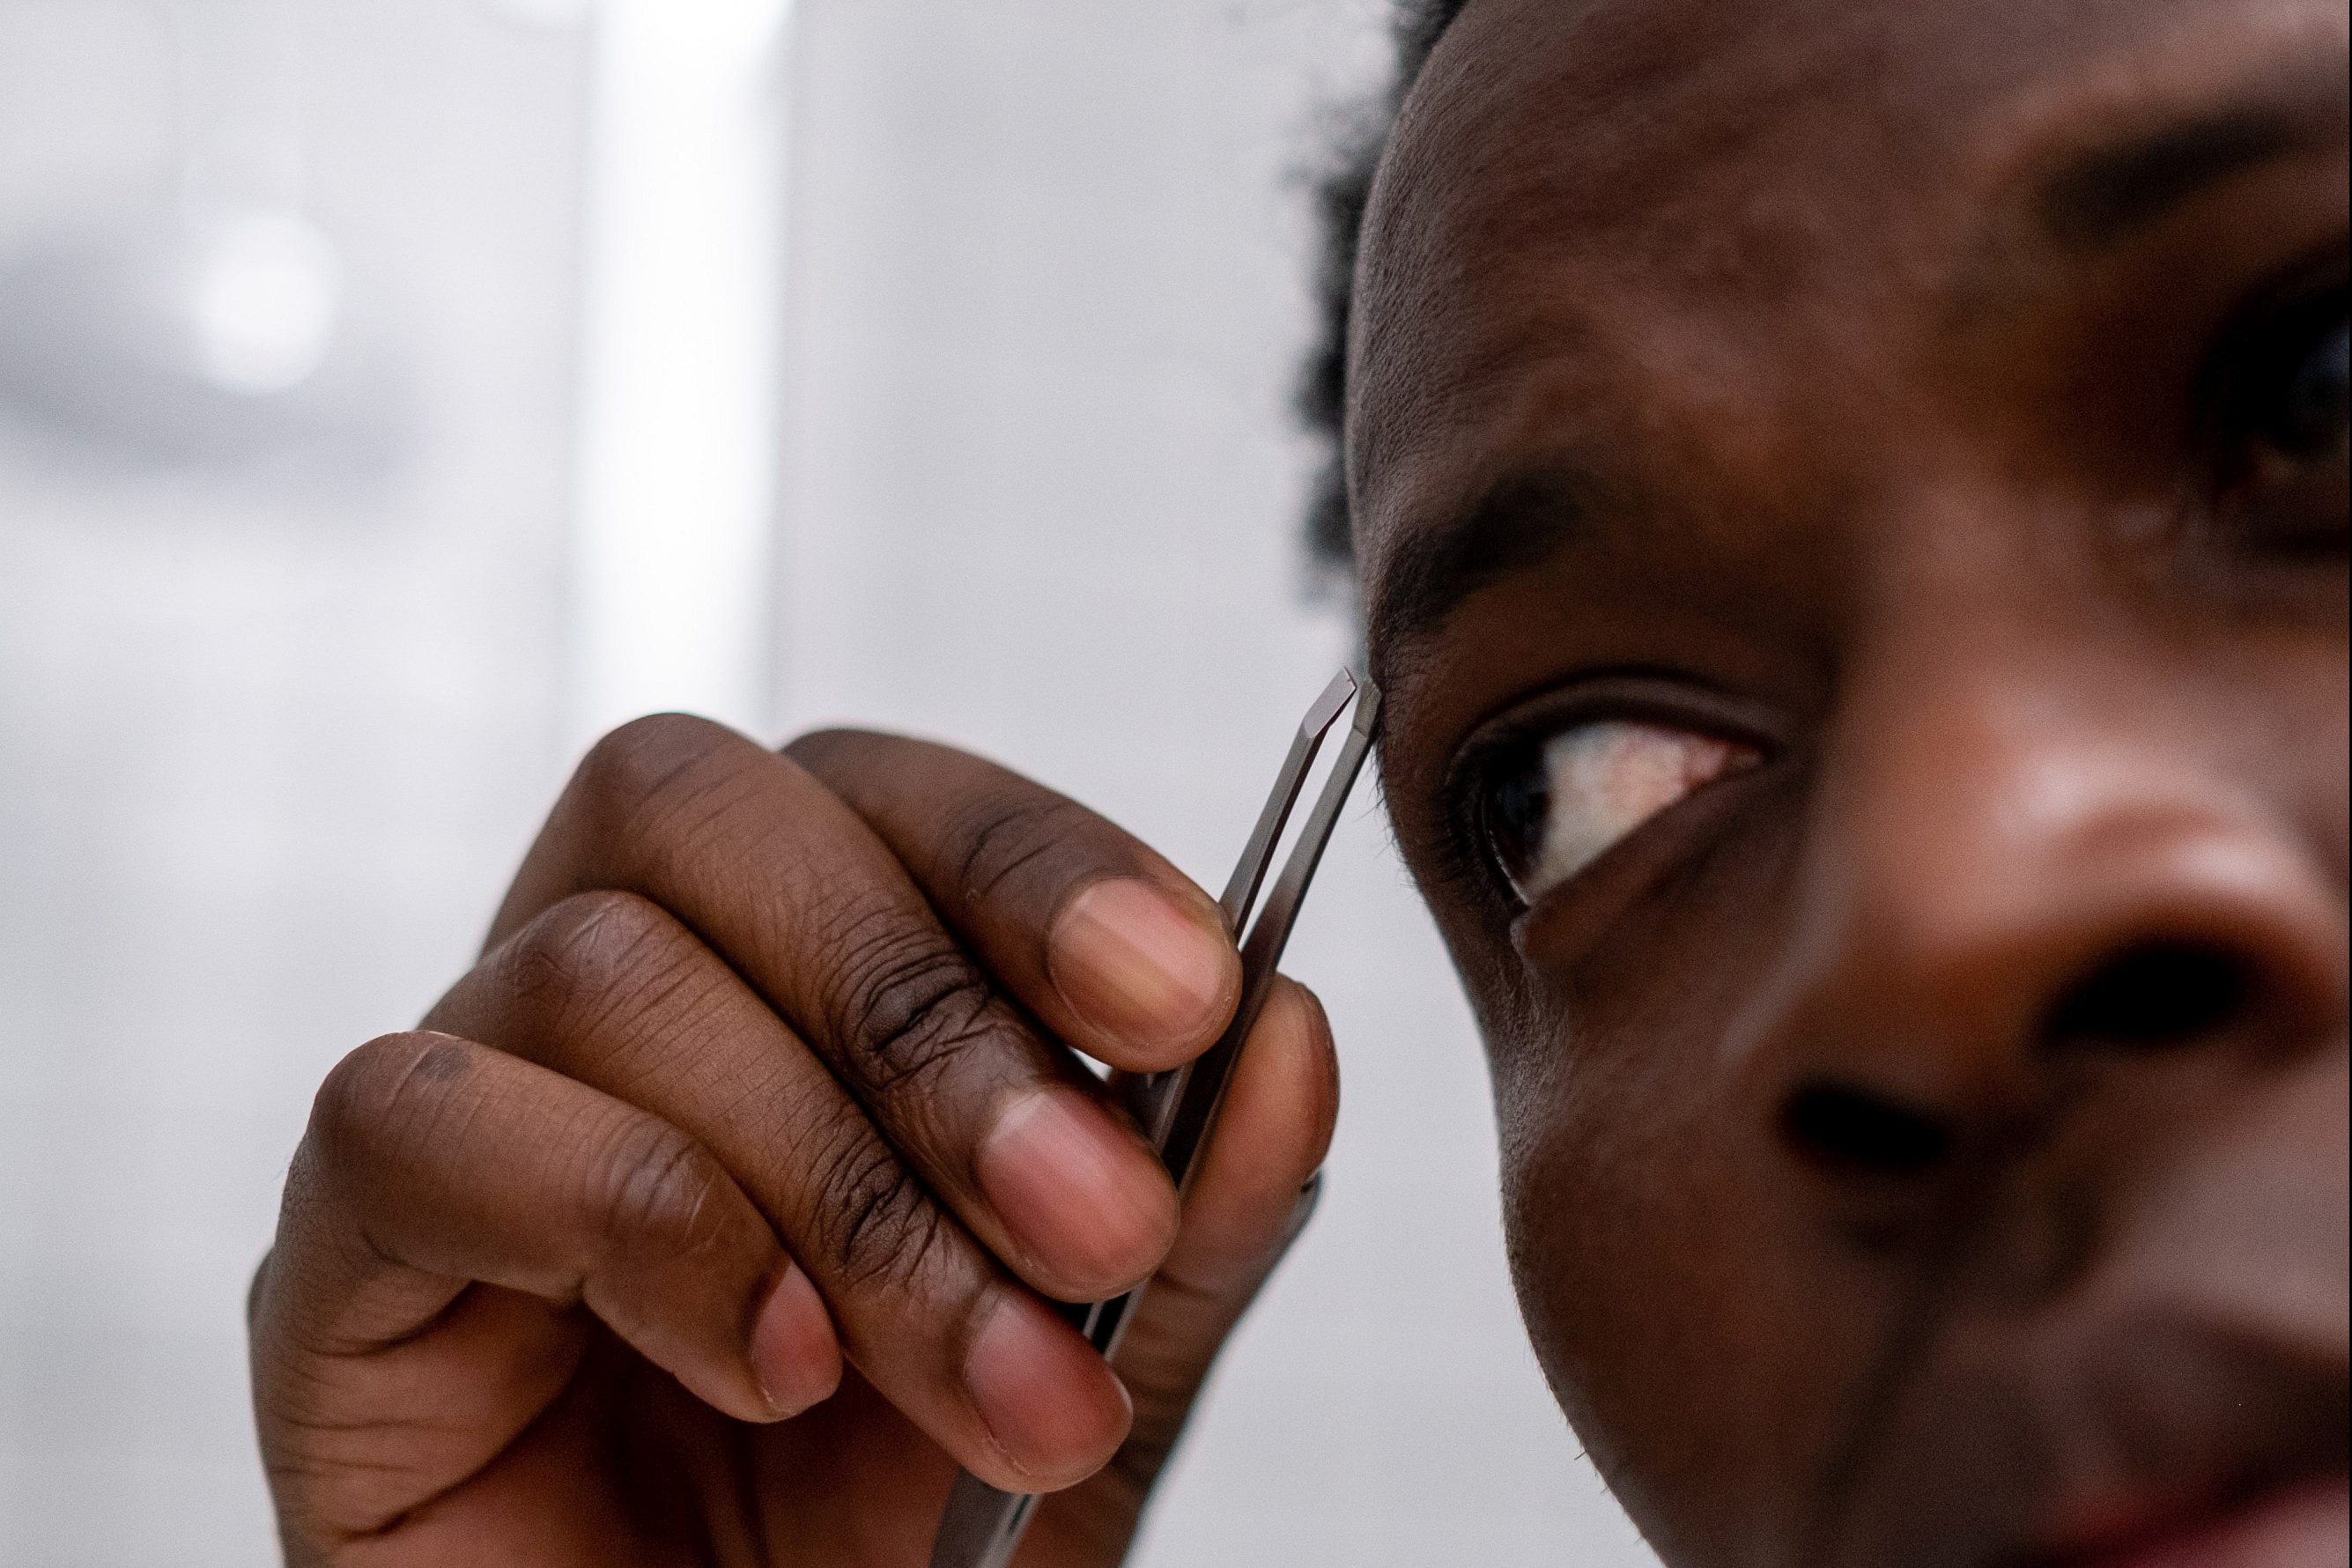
x=638, y=762
x=703, y=823
x=646, y=1021
x=883, y=1221
x=656, y=1188
x=580, y=946
x=914, y=1011
x=1034, y=826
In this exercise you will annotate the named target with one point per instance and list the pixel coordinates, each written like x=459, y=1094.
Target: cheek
x=1671, y=1273
x=1630, y=1297
x=2328, y=744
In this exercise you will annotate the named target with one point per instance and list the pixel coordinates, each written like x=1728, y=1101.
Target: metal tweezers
x=1177, y=1110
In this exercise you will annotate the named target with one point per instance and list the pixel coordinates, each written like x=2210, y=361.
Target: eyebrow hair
x=2094, y=198
x=2103, y=196
x=1517, y=523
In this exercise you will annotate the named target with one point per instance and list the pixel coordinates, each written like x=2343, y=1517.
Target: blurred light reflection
x=670, y=590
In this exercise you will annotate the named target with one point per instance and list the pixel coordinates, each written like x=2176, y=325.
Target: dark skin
x=1924, y=1119
x=1853, y=538
x=715, y=1215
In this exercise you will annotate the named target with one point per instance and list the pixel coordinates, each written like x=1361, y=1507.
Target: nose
x=2014, y=896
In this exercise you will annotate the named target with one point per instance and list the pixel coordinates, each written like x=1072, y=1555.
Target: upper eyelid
x=1641, y=696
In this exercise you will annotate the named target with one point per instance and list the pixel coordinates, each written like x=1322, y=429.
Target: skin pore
x=1851, y=499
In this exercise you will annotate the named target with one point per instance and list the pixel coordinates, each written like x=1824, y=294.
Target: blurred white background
x=393, y=392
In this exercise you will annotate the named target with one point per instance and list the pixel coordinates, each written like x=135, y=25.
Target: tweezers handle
x=1203, y=1093
x=1155, y=1098
x=1178, y=1109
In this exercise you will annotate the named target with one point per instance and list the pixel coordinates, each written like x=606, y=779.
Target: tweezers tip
x=1326, y=707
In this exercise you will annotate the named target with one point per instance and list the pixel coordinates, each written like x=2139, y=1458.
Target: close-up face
x=1851, y=498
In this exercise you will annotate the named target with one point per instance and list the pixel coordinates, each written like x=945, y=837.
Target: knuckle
x=875, y=1221
x=818, y=750
x=659, y=1191
x=635, y=763
x=382, y=1092
x=598, y=977
x=999, y=833
x=912, y=1005
x=593, y=943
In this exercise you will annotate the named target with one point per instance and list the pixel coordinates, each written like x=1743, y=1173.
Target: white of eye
x=1604, y=779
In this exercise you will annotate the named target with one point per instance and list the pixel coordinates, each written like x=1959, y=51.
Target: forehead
x=1582, y=192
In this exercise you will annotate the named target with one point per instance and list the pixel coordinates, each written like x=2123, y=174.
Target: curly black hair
x=1339, y=197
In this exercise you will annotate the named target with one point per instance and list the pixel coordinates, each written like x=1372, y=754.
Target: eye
x=1556, y=804
x=2283, y=417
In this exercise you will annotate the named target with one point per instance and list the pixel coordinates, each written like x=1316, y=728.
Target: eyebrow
x=1517, y=524
x=2103, y=196
x=2096, y=197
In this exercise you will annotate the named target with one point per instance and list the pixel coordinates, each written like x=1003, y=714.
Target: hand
x=714, y=1217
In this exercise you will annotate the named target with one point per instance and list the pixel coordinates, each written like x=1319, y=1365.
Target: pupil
x=1517, y=805
x=2316, y=408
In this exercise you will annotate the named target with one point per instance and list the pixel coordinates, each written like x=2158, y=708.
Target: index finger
x=1116, y=951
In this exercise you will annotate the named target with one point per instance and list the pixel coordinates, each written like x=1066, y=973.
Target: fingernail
x=1081, y=1195
x=794, y=1354
x=1053, y=1408
x=1136, y=964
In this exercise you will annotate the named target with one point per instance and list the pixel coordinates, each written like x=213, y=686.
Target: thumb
x=1255, y=1189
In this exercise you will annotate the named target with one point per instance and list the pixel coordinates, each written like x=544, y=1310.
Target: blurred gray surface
x=271, y=738
x=271, y=735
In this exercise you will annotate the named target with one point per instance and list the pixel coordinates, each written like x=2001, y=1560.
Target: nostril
x=2155, y=994
x=1854, y=1129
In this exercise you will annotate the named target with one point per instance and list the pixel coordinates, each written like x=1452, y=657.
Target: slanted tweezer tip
x=1326, y=707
